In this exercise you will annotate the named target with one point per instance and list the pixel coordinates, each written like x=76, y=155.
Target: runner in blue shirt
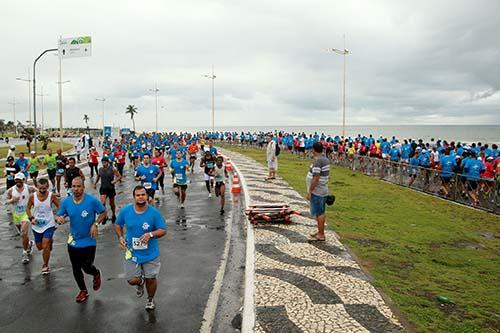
x=148, y=174
x=472, y=171
x=82, y=209
x=144, y=224
x=178, y=168
x=448, y=164
x=394, y=153
x=414, y=163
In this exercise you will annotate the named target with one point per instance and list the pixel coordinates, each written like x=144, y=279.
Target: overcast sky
x=411, y=62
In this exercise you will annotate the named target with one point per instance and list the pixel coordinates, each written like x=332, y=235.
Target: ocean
x=458, y=133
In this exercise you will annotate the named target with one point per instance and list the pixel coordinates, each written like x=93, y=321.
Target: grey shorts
x=150, y=269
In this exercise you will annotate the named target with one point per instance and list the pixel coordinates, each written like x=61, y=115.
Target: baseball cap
x=20, y=176
x=33, y=152
x=12, y=147
x=10, y=158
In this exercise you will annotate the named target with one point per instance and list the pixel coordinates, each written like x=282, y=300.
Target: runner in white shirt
x=42, y=220
x=18, y=196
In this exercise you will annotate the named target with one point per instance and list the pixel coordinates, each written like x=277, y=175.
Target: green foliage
x=416, y=247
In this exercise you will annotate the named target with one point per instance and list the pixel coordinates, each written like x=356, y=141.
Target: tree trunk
x=133, y=123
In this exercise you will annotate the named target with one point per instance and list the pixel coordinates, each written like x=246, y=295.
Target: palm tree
x=131, y=110
x=86, y=120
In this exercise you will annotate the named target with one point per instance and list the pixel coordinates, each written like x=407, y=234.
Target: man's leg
x=46, y=248
x=76, y=259
x=151, y=285
x=321, y=226
x=183, y=195
x=113, y=208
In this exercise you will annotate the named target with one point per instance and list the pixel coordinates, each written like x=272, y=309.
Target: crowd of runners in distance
x=477, y=164
x=154, y=158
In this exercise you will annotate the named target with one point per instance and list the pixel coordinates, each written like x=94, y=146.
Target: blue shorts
x=318, y=205
x=48, y=234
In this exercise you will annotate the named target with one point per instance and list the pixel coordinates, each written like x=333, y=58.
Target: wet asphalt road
x=190, y=256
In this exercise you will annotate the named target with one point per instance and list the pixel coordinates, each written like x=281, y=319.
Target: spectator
x=12, y=152
x=272, y=160
x=317, y=185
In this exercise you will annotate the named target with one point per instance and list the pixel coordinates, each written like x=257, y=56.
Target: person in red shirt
x=192, y=150
x=160, y=161
x=120, y=158
x=93, y=161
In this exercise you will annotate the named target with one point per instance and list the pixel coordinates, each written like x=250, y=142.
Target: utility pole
x=102, y=100
x=156, y=90
x=13, y=103
x=212, y=77
x=343, y=53
x=41, y=94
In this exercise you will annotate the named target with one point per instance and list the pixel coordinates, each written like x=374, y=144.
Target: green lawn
x=415, y=246
x=22, y=148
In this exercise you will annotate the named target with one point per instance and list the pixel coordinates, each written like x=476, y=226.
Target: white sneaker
x=182, y=206
x=30, y=247
x=209, y=195
x=25, y=257
x=150, y=305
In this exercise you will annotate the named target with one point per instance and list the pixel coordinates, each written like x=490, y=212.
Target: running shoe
x=209, y=195
x=140, y=289
x=45, y=270
x=113, y=219
x=97, y=280
x=150, y=305
x=30, y=247
x=82, y=296
x=182, y=206
x=222, y=211
x=25, y=257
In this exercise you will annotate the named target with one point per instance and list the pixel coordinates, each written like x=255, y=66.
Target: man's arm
x=10, y=199
x=118, y=177
x=29, y=206
x=96, y=179
x=80, y=172
x=55, y=201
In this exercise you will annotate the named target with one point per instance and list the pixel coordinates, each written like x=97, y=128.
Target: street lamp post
x=156, y=90
x=29, y=93
x=13, y=103
x=41, y=94
x=59, y=84
x=34, y=90
x=212, y=77
x=343, y=53
x=102, y=100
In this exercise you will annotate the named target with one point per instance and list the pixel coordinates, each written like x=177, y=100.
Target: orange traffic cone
x=235, y=188
x=229, y=167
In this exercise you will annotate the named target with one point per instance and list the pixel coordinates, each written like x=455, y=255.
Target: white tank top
x=24, y=195
x=219, y=173
x=42, y=211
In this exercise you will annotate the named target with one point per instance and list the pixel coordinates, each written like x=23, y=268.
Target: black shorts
x=34, y=174
x=51, y=173
x=109, y=192
x=302, y=149
x=472, y=184
x=181, y=186
x=151, y=193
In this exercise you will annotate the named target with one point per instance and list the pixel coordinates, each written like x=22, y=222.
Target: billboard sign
x=75, y=47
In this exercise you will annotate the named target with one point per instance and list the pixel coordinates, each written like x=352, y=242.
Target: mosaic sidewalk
x=302, y=286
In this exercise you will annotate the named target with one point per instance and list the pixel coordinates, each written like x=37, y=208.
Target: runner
x=93, y=161
x=18, y=196
x=178, y=167
x=82, y=208
x=51, y=163
x=33, y=166
x=220, y=173
x=208, y=163
x=11, y=170
x=42, y=220
x=109, y=176
x=192, y=150
x=120, y=155
x=22, y=162
x=72, y=171
x=144, y=225
x=160, y=162
x=148, y=174
x=61, y=162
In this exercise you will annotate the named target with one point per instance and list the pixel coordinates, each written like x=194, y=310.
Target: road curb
x=248, y=315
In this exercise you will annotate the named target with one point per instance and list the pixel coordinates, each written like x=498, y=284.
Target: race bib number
x=20, y=209
x=41, y=222
x=179, y=176
x=138, y=245
x=147, y=185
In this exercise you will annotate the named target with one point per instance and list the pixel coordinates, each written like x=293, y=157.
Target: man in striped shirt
x=317, y=185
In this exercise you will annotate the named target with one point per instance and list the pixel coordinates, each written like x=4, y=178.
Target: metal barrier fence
x=457, y=189
x=483, y=194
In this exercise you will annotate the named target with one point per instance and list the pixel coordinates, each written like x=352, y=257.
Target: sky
x=409, y=62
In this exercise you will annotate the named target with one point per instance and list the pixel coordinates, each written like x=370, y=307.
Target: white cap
x=20, y=175
x=12, y=147
x=33, y=152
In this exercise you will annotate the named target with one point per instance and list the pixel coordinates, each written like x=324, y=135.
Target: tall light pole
x=29, y=93
x=212, y=77
x=343, y=53
x=102, y=100
x=41, y=94
x=155, y=90
x=59, y=85
x=13, y=103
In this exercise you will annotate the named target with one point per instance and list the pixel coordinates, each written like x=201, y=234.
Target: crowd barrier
x=426, y=180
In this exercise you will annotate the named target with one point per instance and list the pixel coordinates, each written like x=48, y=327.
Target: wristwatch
x=151, y=235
